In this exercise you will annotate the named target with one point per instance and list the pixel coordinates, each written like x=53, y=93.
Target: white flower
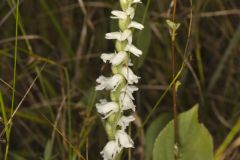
x=107, y=56
x=114, y=35
x=119, y=14
x=123, y=15
x=123, y=140
x=130, y=62
x=129, y=90
x=114, y=58
x=107, y=108
x=119, y=58
x=109, y=83
x=129, y=75
x=124, y=121
x=130, y=12
x=136, y=25
x=109, y=151
x=121, y=36
x=126, y=102
x=134, y=50
x=136, y=1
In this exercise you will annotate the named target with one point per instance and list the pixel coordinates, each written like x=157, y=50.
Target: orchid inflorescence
x=121, y=83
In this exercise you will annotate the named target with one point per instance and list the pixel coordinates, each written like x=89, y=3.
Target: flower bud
x=125, y=4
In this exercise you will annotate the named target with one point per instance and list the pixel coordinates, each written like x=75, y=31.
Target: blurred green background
x=58, y=59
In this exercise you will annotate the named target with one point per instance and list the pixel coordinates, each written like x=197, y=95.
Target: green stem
x=8, y=130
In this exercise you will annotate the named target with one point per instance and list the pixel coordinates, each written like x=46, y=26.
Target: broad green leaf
x=195, y=140
x=152, y=132
x=143, y=37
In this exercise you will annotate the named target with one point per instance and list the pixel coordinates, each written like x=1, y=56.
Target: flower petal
x=121, y=36
x=129, y=90
x=119, y=14
x=134, y=50
x=126, y=35
x=124, y=121
x=107, y=56
x=119, y=58
x=136, y=25
x=107, y=108
x=129, y=75
x=109, y=83
x=114, y=35
x=109, y=151
x=137, y=1
x=126, y=102
x=123, y=140
x=130, y=12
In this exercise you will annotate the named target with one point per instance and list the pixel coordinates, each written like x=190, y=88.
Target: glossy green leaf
x=195, y=142
x=152, y=132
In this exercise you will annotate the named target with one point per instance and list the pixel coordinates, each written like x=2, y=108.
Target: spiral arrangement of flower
x=121, y=83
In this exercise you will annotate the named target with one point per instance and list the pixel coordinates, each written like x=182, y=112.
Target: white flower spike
x=121, y=82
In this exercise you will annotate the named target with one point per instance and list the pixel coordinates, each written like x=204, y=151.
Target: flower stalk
x=121, y=83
